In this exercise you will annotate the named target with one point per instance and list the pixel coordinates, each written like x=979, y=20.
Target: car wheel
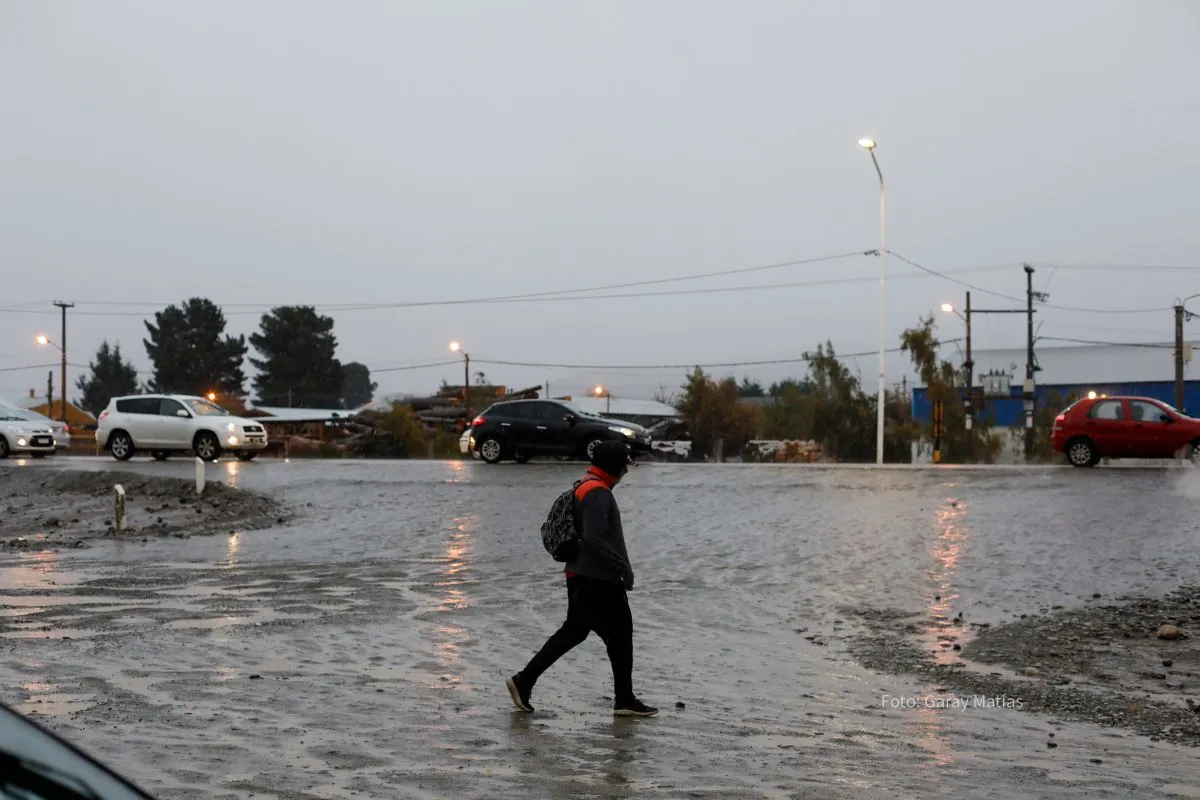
x=159, y=455
x=4, y=451
x=490, y=450
x=591, y=448
x=206, y=446
x=1082, y=453
x=120, y=444
x=246, y=456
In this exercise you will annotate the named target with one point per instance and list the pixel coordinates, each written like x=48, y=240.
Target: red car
x=1124, y=427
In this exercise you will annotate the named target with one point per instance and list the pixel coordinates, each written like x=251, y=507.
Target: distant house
x=647, y=413
x=76, y=416
x=312, y=423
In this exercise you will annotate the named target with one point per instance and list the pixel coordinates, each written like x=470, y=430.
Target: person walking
x=597, y=581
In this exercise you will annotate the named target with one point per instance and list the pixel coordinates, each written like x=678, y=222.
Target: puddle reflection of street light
x=947, y=549
x=232, y=545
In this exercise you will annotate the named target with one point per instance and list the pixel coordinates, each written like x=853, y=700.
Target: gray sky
x=263, y=153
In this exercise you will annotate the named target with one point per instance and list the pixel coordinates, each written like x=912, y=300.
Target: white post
x=882, y=322
x=119, y=497
x=199, y=475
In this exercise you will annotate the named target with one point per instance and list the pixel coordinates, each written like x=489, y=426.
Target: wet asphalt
x=362, y=648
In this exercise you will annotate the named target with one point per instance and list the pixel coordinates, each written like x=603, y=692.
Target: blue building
x=1145, y=370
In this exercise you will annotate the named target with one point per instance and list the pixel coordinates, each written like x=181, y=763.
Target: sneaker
x=519, y=693
x=634, y=708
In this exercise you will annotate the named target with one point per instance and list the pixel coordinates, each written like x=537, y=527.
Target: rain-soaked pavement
x=361, y=650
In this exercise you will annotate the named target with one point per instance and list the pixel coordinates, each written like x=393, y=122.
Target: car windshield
x=576, y=410
x=22, y=414
x=203, y=408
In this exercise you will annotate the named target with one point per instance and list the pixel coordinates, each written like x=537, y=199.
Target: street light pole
x=62, y=393
x=869, y=146
x=458, y=348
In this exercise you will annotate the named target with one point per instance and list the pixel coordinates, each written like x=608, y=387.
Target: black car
x=36, y=764
x=522, y=429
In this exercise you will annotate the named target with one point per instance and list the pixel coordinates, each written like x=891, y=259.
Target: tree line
x=294, y=353
x=828, y=406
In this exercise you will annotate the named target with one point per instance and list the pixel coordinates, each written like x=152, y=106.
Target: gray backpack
x=560, y=534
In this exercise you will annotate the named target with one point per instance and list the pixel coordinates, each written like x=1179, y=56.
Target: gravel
x=1105, y=664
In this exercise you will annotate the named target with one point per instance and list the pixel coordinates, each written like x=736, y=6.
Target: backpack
x=560, y=534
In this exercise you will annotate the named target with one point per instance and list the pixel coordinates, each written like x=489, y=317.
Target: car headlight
x=231, y=427
x=233, y=440
x=627, y=432
x=21, y=442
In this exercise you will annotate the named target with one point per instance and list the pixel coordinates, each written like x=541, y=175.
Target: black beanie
x=612, y=457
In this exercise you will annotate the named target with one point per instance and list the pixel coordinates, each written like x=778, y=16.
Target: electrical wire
x=1152, y=345
x=31, y=366
x=946, y=276
x=759, y=363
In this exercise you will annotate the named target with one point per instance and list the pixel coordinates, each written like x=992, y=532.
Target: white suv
x=19, y=435
x=165, y=423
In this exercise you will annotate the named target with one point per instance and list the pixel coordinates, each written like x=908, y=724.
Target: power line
x=692, y=365
x=32, y=366
x=259, y=308
x=1152, y=345
x=565, y=297
x=946, y=276
x=1079, y=310
x=456, y=362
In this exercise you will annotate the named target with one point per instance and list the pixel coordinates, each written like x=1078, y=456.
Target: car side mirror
x=569, y=419
x=182, y=413
x=1167, y=418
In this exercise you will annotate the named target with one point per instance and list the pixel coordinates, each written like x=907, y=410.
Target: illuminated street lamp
x=968, y=364
x=869, y=145
x=456, y=347
x=45, y=341
x=212, y=397
x=599, y=391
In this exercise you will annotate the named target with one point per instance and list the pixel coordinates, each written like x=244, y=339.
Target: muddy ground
x=44, y=508
x=360, y=648
x=1131, y=664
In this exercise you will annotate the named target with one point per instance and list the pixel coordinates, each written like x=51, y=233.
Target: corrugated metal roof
x=624, y=406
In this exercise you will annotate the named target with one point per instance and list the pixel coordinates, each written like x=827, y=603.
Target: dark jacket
x=602, y=553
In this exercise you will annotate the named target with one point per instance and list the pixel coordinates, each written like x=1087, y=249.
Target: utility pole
x=50, y=393
x=1179, y=356
x=62, y=346
x=467, y=388
x=969, y=367
x=1029, y=432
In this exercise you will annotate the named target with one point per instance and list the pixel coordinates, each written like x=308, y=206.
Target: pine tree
x=111, y=376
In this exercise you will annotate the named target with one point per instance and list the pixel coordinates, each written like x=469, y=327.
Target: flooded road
x=362, y=648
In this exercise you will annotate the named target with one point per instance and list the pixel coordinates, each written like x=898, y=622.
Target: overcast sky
x=263, y=153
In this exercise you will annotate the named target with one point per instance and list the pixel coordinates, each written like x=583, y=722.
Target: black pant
x=592, y=605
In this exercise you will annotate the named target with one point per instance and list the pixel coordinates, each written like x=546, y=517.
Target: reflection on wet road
x=362, y=649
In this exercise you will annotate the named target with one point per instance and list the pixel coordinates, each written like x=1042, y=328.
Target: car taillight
x=475, y=423
x=103, y=414
x=66, y=428
x=1061, y=418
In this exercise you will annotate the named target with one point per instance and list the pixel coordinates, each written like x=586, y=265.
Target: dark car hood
x=633, y=426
